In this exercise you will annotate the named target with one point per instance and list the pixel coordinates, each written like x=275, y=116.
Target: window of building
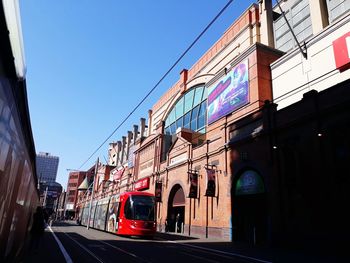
x=73, y=176
x=336, y=8
x=298, y=16
x=188, y=112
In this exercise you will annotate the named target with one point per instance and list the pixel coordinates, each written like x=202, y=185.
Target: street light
x=92, y=193
x=83, y=187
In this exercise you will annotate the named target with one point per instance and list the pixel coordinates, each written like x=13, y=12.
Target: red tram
x=129, y=213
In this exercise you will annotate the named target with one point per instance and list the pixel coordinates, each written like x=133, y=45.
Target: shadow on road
x=166, y=246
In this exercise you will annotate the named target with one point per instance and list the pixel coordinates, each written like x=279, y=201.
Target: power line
x=197, y=136
x=284, y=96
x=161, y=79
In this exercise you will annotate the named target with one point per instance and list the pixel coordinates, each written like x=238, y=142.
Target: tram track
x=104, y=247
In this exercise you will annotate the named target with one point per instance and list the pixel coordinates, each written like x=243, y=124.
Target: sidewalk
x=48, y=251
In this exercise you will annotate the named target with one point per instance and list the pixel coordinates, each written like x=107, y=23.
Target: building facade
x=181, y=152
x=237, y=148
x=47, y=166
x=286, y=158
x=74, y=180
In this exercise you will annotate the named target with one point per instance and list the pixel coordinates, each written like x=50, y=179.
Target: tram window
x=128, y=209
x=143, y=207
x=140, y=208
x=118, y=205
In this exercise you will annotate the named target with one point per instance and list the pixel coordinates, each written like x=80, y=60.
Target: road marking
x=223, y=252
x=211, y=253
x=83, y=247
x=201, y=258
x=63, y=250
x=117, y=248
x=124, y=251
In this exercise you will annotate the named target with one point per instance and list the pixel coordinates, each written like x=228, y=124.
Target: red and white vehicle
x=129, y=213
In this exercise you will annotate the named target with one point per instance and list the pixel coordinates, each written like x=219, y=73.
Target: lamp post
x=92, y=194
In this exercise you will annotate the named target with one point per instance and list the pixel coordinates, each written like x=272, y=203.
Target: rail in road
x=82, y=245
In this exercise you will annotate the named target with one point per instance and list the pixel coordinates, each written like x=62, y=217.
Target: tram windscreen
x=140, y=207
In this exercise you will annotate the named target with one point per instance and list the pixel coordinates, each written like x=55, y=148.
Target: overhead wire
x=157, y=84
x=277, y=99
x=284, y=96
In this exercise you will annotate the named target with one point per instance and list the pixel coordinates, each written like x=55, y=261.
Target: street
x=68, y=242
x=83, y=245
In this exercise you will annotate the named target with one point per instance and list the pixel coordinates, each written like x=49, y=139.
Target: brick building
x=297, y=145
x=216, y=150
x=181, y=151
x=74, y=180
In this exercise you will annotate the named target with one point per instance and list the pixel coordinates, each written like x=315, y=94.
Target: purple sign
x=231, y=93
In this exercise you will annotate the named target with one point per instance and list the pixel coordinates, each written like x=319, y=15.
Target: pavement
x=49, y=250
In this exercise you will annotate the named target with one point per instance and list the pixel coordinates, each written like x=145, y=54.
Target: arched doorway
x=176, y=210
x=249, y=218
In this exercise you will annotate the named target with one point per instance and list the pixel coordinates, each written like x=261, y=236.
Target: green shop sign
x=250, y=183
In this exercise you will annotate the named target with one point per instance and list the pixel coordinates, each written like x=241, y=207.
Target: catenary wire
x=254, y=109
x=277, y=99
x=161, y=79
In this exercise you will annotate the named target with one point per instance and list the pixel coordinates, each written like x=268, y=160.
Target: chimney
x=136, y=131
x=111, y=151
x=129, y=137
x=149, y=122
x=183, y=79
x=128, y=144
x=119, y=147
x=143, y=127
x=123, y=149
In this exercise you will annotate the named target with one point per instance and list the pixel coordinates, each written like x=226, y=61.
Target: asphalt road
x=68, y=242
x=91, y=245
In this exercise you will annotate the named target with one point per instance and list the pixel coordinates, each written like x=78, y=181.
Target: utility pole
x=45, y=196
x=92, y=193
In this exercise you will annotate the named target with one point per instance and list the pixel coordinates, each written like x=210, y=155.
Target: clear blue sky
x=90, y=62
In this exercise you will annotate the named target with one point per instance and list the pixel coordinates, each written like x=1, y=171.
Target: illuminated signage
x=231, y=93
x=142, y=184
x=250, y=182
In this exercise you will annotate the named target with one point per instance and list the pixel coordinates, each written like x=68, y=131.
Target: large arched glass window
x=190, y=112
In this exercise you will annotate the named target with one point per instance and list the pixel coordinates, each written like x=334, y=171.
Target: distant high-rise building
x=46, y=167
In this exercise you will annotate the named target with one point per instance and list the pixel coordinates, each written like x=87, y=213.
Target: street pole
x=45, y=196
x=92, y=193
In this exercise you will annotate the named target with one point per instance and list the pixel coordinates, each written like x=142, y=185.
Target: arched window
x=190, y=111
